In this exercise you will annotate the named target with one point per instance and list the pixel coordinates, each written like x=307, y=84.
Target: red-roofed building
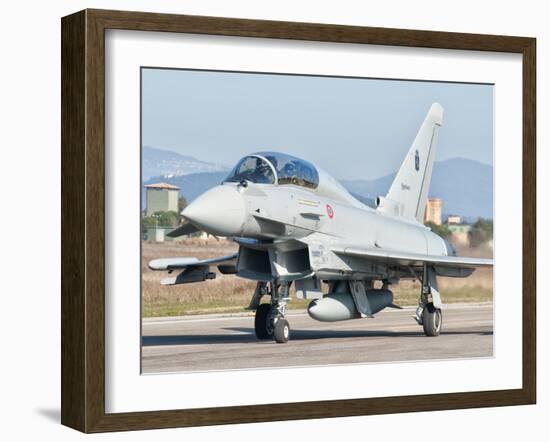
x=162, y=186
x=161, y=197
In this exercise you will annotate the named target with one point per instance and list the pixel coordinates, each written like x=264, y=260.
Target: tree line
x=165, y=219
x=481, y=231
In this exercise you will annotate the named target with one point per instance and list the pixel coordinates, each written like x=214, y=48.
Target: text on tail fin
x=409, y=190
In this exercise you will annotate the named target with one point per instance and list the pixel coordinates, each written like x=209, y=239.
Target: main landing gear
x=270, y=322
x=428, y=313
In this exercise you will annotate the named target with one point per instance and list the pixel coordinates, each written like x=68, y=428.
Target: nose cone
x=219, y=211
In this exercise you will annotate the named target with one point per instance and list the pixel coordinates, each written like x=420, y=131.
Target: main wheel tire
x=282, y=331
x=262, y=328
x=432, y=320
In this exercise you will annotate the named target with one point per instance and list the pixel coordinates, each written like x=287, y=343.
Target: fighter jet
x=295, y=224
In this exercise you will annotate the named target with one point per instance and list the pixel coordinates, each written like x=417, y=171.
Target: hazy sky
x=352, y=128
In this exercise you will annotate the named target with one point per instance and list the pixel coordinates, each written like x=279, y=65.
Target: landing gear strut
x=269, y=322
x=428, y=313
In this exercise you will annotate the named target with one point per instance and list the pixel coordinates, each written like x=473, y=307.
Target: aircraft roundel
x=330, y=211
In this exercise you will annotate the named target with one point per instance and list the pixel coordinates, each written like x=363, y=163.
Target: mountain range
x=160, y=162
x=464, y=185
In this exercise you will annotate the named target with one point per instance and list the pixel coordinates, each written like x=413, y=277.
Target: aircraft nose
x=219, y=211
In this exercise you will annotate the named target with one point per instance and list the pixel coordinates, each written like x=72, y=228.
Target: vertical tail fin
x=409, y=191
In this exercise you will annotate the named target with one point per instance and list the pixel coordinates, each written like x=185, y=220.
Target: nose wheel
x=269, y=327
x=432, y=318
x=269, y=322
x=281, y=331
x=263, y=325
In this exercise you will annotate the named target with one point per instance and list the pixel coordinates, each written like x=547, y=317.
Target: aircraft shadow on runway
x=246, y=335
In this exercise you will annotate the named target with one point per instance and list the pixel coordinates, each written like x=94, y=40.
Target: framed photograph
x=267, y=220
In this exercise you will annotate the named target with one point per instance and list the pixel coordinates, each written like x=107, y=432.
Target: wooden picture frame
x=83, y=219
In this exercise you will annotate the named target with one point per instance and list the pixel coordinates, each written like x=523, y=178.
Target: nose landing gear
x=269, y=321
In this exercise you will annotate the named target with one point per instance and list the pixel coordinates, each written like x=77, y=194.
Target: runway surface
x=197, y=343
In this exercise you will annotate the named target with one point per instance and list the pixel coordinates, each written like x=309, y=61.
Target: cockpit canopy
x=275, y=167
x=254, y=169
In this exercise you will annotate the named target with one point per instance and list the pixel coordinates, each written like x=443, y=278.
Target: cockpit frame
x=286, y=169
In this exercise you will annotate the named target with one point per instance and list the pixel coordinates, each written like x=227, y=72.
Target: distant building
x=460, y=228
x=155, y=234
x=161, y=197
x=158, y=234
x=460, y=233
x=433, y=211
x=454, y=219
x=203, y=235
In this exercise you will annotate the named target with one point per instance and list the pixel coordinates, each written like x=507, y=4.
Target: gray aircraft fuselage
x=234, y=209
x=278, y=214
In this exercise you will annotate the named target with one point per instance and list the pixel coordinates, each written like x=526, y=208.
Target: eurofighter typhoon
x=295, y=224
